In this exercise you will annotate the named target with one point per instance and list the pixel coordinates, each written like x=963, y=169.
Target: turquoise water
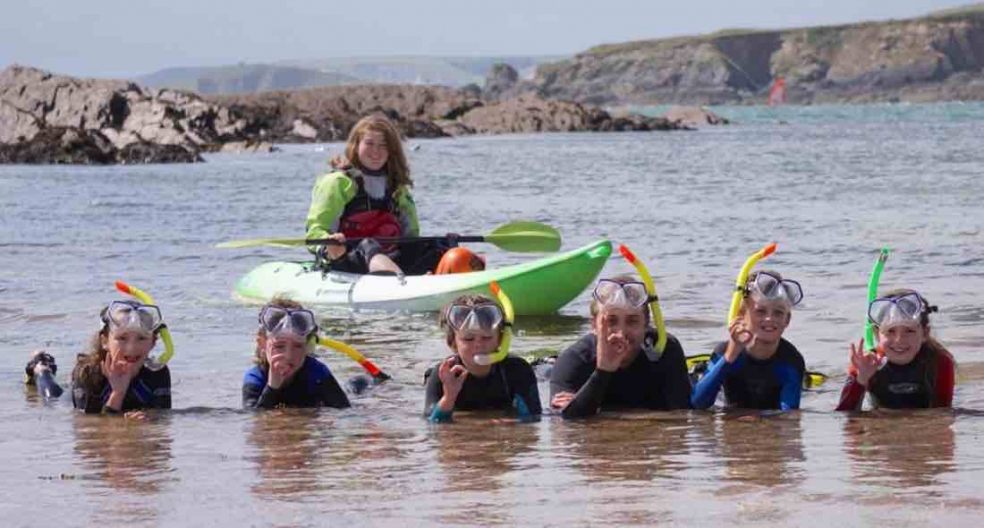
x=830, y=184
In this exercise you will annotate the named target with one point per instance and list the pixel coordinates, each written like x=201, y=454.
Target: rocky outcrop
x=328, y=113
x=46, y=118
x=101, y=118
x=528, y=114
x=694, y=116
x=931, y=58
x=501, y=82
x=58, y=145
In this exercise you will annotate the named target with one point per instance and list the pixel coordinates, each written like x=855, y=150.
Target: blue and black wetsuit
x=661, y=383
x=509, y=385
x=311, y=386
x=774, y=383
x=149, y=389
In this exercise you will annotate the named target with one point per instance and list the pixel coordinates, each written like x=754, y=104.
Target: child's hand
x=866, y=365
x=739, y=338
x=280, y=368
x=612, y=348
x=452, y=376
x=561, y=400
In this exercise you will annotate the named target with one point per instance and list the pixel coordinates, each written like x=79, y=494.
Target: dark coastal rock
x=69, y=145
x=142, y=126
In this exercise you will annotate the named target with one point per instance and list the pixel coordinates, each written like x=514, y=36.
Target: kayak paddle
x=519, y=236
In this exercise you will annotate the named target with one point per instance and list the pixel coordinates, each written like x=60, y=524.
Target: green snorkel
x=145, y=298
x=654, y=307
x=507, y=318
x=873, y=280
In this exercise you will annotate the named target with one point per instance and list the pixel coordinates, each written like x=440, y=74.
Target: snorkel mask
x=768, y=287
x=132, y=316
x=296, y=324
x=629, y=295
x=485, y=318
x=906, y=310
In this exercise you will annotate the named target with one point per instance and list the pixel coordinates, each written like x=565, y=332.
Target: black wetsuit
x=311, y=386
x=510, y=385
x=149, y=389
x=774, y=383
x=904, y=386
x=662, y=384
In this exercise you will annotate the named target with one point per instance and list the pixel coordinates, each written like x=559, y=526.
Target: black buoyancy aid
x=365, y=217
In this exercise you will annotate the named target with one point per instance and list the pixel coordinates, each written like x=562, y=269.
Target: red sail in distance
x=777, y=93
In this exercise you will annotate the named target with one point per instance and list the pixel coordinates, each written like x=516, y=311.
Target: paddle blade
x=525, y=237
x=257, y=242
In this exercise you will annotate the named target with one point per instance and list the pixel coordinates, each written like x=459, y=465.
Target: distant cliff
x=938, y=57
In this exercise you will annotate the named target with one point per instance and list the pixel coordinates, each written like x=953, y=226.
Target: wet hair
x=87, y=372
x=260, y=354
x=469, y=299
x=624, y=278
x=397, y=168
x=934, y=348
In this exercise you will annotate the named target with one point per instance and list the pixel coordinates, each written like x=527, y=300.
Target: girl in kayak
x=368, y=196
x=471, y=379
x=286, y=374
x=757, y=367
x=911, y=369
x=617, y=365
x=116, y=375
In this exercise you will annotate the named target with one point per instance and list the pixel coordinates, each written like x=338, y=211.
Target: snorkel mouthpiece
x=508, y=315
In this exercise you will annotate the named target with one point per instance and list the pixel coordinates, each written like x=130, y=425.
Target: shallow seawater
x=830, y=188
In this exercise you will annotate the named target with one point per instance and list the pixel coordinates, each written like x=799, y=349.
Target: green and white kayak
x=541, y=286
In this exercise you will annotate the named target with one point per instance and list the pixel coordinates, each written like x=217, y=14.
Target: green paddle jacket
x=333, y=191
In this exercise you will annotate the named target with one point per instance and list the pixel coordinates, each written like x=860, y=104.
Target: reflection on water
x=905, y=451
x=760, y=448
x=287, y=448
x=642, y=446
x=130, y=460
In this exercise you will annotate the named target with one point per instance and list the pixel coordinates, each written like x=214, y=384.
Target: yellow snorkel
x=654, y=307
x=507, y=319
x=145, y=298
x=746, y=268
x=377, y=375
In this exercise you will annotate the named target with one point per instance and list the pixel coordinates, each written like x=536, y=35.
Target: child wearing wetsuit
x=479, y=376
x=756, y=366
x=616, y=365
x=116, y=375
x=910, y=369
x=286, y=374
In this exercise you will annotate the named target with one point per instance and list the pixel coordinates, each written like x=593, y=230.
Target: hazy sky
x=131, y=37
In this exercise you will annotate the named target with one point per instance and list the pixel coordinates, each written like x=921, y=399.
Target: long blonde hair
x=397, y=168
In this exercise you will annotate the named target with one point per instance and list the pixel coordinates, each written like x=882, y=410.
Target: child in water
x=911, y=369
x=617, y=365
x=116, y=374
x=469, y=379
x=757, y=367
x=286, y=373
